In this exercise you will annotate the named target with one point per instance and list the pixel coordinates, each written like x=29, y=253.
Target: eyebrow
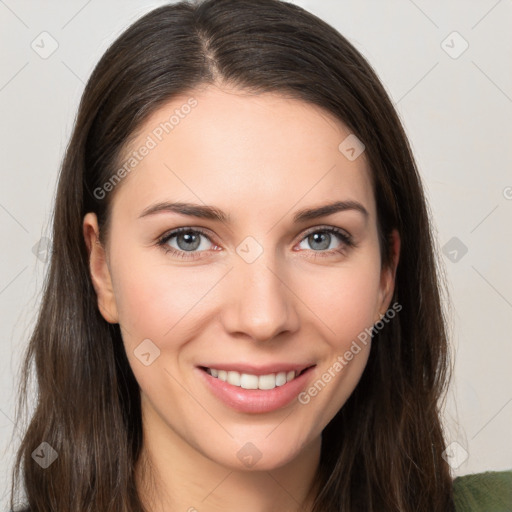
x=213, y=213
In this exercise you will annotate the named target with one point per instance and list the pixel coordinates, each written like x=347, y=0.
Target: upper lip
x=263, y=369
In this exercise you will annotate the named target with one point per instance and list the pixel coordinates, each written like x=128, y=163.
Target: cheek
x=346, y=304
x=344, y=300
x=157, y=303
x=154, y=299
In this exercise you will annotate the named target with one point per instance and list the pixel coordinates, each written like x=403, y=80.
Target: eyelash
x=344, y=238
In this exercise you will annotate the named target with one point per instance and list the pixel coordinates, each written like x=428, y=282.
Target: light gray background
x=457, y=112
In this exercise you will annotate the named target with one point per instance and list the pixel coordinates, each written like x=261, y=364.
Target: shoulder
x=483, y=492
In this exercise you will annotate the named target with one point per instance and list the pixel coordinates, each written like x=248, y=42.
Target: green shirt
x=483, y=492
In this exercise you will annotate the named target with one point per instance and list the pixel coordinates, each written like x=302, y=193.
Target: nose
x=260, y=303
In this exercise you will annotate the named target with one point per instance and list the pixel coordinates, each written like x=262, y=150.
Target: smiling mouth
x=251, y=381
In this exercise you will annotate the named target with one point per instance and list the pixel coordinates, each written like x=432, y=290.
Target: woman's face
x=259, y=292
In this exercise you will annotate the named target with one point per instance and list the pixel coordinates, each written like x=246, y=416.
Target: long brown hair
x=383, y=449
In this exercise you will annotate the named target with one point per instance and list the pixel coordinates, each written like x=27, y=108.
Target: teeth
x=280, y=379
x=248, y=381
x=233, y=378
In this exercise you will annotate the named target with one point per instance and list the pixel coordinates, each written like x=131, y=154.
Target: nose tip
x=261, y=306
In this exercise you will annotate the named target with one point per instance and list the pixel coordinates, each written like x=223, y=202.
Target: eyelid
x=325, y=227
x=183, y=229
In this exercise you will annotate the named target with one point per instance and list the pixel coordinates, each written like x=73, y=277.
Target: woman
x=195, y=348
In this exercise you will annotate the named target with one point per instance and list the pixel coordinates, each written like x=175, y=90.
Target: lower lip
x=255, y=400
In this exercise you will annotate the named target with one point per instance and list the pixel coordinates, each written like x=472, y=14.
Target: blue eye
x=190, y=246
x=187, y=239
x=322, y=238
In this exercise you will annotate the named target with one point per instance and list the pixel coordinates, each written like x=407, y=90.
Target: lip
x=255, y=400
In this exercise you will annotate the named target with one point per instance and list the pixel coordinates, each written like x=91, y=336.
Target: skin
x=260, y=158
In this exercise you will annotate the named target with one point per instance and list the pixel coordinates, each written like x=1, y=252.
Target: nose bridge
x=261, y=305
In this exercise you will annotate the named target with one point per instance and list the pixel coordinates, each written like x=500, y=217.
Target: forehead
x=233, y=149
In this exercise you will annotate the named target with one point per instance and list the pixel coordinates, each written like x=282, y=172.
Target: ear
x=387, y=278
x=98, y=267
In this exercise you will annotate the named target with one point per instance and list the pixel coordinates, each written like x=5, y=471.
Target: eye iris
x=190, y=238
x=314, y=238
